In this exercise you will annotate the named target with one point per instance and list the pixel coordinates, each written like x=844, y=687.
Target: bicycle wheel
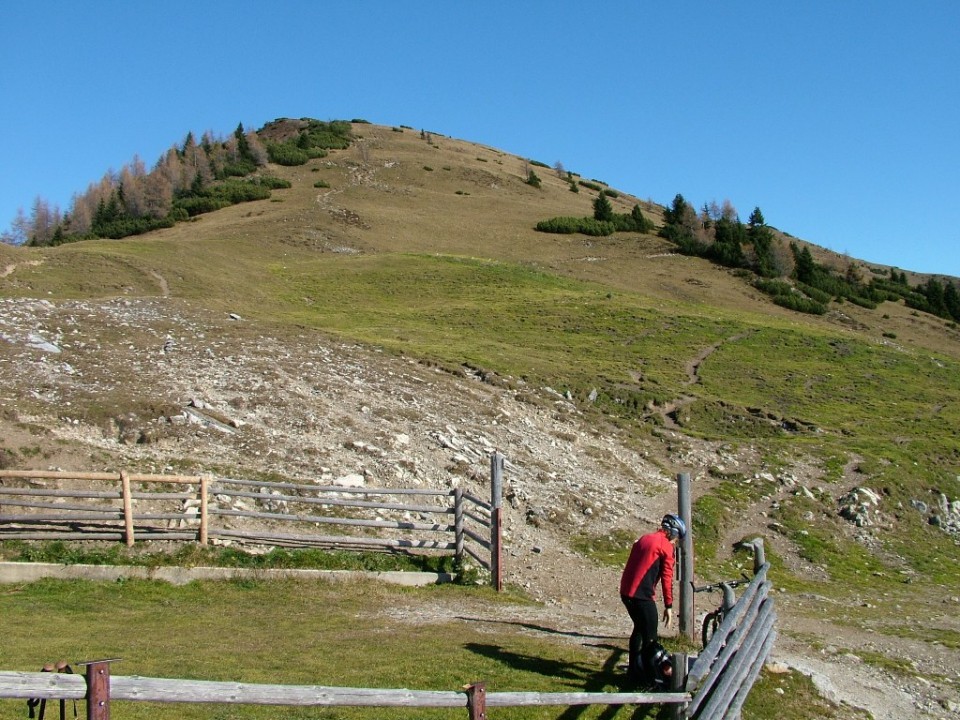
x=710, y=624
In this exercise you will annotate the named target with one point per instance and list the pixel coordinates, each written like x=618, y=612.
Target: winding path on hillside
x=9, y=269
x=668, y=411
x=162, y=282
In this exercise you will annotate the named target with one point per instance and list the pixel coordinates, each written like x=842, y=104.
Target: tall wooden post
x=686, y=556
x=458, y=525
x=497, y=462
x=127, y=507
x=204, y=509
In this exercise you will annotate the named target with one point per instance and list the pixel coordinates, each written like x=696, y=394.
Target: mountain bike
x=714, y=618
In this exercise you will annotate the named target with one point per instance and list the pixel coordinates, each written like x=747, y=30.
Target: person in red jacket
x=651, y=561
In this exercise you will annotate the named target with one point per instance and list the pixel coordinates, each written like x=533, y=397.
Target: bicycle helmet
x=657, y=665
x=674, y=526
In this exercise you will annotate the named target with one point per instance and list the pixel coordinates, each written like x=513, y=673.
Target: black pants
x=643, y=612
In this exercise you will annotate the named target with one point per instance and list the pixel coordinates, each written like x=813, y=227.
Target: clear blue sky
x=839, y=119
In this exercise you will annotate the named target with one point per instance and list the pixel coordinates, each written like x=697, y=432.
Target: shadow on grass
x=584, y=678
x=538, y=628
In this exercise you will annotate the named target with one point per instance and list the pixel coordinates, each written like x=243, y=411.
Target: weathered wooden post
x=686, y=556
x=759, y=555
x=204, y=509
x=458, y=525
x=678, y=678
x=496, y=509
x=127, y=507
x=98, y=689
x=477, y=701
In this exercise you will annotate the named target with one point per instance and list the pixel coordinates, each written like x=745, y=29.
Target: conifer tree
x=804, y=266
x=243, y=147
x=602, y=209
x=761, y=237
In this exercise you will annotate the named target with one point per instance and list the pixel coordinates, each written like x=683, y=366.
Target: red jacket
x=650, y=562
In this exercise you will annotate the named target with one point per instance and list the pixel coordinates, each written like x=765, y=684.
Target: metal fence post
x=496, y=532
x=684, y=504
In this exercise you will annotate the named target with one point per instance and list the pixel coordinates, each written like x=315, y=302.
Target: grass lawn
x=349, y=634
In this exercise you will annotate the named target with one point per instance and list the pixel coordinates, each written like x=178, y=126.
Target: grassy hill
x=426, y=247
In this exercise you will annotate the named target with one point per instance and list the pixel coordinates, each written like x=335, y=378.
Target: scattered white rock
x=353, y=480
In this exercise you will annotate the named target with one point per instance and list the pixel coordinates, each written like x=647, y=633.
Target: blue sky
x=839, y=119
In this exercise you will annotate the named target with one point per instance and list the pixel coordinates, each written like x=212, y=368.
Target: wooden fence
x=724, y=672
x=715, y=687
x=98, y=689
x=127, y=507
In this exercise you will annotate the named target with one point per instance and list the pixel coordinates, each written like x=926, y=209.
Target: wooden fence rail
x=474, y=698
x=202, y=508
x=722, y=675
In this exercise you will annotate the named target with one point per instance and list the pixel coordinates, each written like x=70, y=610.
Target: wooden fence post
x=204, y=505
x=458, y=525
x=759, y=556
x=477, y=701
x=686, y=557
x=127, y=507
x=98, y=689
x=496, y=531
x=678, y=664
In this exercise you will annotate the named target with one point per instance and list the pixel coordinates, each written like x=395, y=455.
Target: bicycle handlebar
x=719, y=585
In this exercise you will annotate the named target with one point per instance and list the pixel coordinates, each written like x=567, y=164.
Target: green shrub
x=127, y=226
x=785, y=295
x=861, y=301
x=800, y=304
x=321, y=184
x=821, y=296
x=241, y=168
x=274, y=183
x=287, y=154
x=560, y=225
x=238, y=191
x=774, y=287
x=194, y=206
x=533, y=180
x=591, y=186
x=570, y=225
x=229, y=192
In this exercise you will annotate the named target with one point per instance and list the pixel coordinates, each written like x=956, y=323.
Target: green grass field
x=344, y=634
